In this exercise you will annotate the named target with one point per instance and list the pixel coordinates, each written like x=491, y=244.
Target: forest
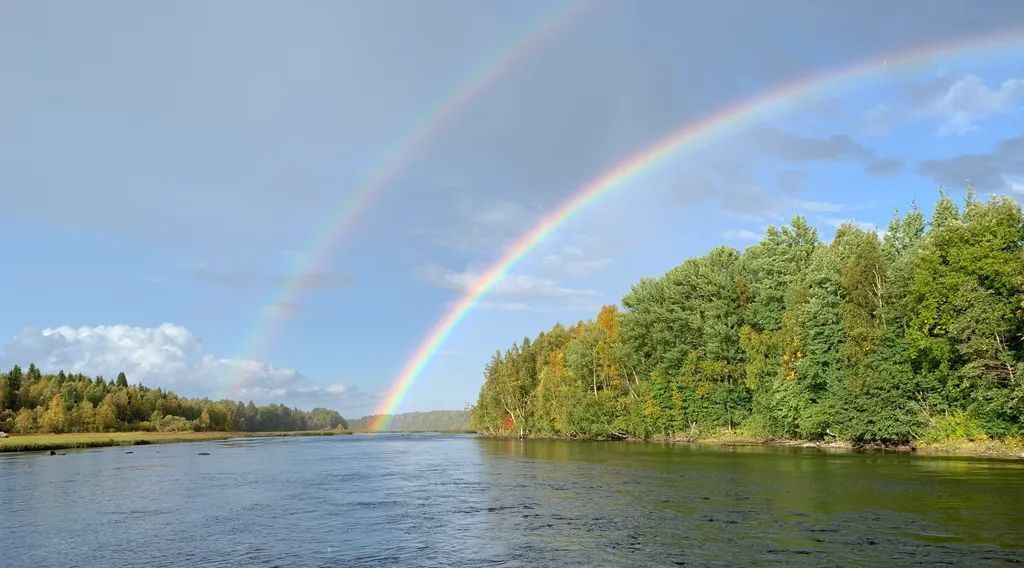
x=429, y=421
x=911, y=333
x=33, y=402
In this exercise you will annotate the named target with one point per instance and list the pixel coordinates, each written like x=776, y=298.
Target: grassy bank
x=990, y=448
x=1010, y=448
x=37, y=442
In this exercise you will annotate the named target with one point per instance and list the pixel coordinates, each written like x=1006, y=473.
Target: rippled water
x=423, y=500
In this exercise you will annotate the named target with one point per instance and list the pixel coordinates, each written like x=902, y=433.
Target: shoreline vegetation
x=995, y=449
x=59, y=411
x=1011, y=448
x=910, y=338
x=79, y=440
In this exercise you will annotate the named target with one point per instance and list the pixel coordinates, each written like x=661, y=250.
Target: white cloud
x=573, y=262
x=969, y=99
x=956, y=103
x=168, y=356
x=741, y=235
x=514, y=292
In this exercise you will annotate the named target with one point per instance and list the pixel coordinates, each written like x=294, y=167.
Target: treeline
x=915, y=333
x=33, y=402
x=430, y=421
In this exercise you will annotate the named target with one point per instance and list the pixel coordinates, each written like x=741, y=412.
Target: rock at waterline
x=53, y=453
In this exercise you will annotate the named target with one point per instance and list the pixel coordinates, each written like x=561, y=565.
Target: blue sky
x=162, y=166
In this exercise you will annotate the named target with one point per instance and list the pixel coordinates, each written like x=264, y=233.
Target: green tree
x=13, y=380
x=868, y=340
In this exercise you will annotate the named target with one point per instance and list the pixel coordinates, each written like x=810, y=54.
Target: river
x=435, y=500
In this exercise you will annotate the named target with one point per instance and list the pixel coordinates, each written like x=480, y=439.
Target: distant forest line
x=912, y=334
x=33, y=402
x=430, y=421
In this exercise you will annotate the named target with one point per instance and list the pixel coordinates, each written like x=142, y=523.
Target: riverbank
x=1002, y=449
x=44, y=442
x=1011, y=448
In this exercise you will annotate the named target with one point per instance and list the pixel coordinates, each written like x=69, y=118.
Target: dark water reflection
x=463, y=501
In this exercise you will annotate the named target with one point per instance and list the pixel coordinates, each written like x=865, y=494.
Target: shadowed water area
x=432, y=500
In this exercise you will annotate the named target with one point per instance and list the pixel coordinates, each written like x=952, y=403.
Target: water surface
x=431, y=500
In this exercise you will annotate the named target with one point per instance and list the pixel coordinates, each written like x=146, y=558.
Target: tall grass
x=39, y=442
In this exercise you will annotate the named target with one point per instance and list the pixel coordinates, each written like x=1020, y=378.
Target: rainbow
x=691, y=135
x=392, y=163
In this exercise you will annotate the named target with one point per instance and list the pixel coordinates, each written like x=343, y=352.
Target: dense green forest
x=912, y=334
x=430, y=421
x=33, y=402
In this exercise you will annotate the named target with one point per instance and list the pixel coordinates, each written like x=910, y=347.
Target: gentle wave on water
x=433, y=500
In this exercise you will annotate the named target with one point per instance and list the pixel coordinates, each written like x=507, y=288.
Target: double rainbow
x=355, y=202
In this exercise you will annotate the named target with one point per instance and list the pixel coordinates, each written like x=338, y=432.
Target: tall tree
x=13, y=380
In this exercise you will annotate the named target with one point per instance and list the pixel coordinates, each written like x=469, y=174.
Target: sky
x=168, y=171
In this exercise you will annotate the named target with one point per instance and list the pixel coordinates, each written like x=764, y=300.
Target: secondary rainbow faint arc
x=394, y=161
x=690, y=135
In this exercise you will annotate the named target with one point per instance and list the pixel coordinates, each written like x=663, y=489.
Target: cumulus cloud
x=956, y=103
x=514, y=292
x=992, y=171
x=964, y=101
x=168, y=356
